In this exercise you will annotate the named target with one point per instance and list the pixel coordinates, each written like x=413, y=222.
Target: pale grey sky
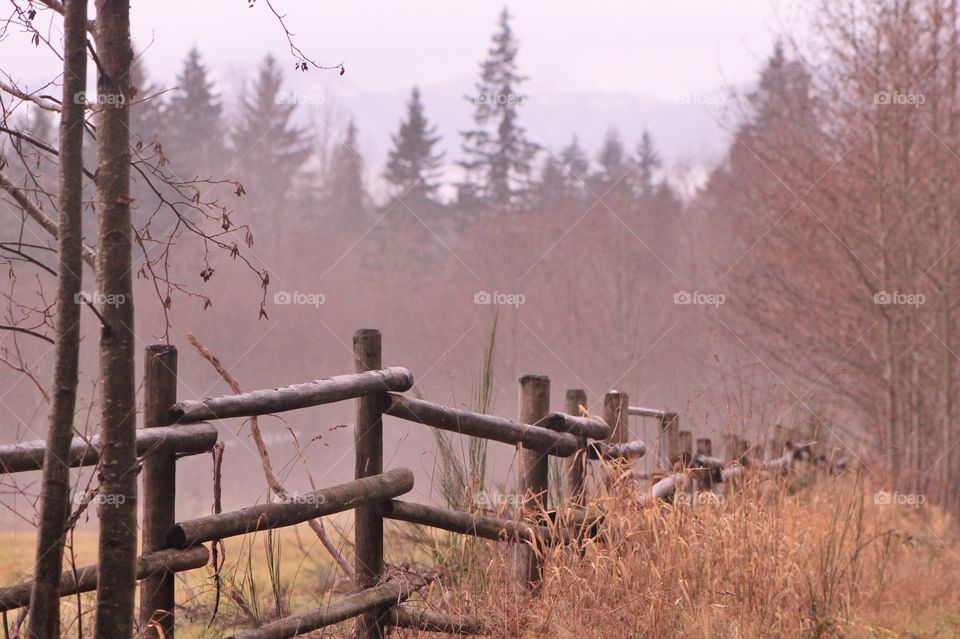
x=592, y=66
x=646, y=47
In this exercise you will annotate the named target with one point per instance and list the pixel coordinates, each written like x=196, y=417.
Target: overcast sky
x=648, y=47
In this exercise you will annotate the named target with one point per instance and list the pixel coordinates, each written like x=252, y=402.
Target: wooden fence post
x=670, y=427
x=159, y=489
x=615, y=414
x=686, y=447
x=577, y=464
x=368, y=443
x=705, y=478
x=533, y=482
x=776, y=443
x=731, y=449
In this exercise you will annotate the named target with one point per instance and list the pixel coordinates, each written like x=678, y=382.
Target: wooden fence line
x=464, y=422
x=85, y=577
x=591, y=427
x=194, y=439
x=429, y=621
x=298, y=509
x=170, y=547
x=493, y=528
x=366, y=602
x=277, y=400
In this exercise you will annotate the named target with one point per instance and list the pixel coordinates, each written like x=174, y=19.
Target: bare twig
x=315, y=524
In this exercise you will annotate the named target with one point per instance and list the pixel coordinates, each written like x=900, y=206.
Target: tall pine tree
x=194, y=121
x=498, y=157
x=413, y=166
x=271, y=150
x=344, y=194
x=146, y=111
x=648, y=163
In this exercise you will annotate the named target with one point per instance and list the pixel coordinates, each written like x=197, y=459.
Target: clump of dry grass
x=823, y=562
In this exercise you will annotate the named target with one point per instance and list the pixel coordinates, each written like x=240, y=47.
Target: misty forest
x=360, y=321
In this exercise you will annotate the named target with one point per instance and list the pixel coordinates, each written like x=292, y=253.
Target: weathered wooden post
x=776, y=443
x=533, y=484
x=731, y=451
x=577, y=464
x=159, y=489
x=670, y=428
x=686, y=447
x=706, y=476
x=615, y=413
x=685, y=456
x=368, y=444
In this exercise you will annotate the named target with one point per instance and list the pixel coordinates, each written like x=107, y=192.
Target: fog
x=626, y=273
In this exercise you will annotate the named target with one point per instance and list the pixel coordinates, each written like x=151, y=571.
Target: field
x=824, y=561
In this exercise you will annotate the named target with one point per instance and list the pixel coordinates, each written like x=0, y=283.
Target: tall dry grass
x=825, y=561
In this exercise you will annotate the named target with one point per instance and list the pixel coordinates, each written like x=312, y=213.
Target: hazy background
x=598, y=281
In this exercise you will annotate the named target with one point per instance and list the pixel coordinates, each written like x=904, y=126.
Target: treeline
x=269, y=147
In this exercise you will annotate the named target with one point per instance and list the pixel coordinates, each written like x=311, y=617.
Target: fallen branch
x=278, y=489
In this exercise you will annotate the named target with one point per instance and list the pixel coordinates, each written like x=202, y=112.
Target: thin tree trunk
x=44, y=622
x=117, y=550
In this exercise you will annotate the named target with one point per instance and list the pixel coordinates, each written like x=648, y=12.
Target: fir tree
x=575, y=164
x=270, y=149
x=498, y=156
x=648, y=163
x=413, y=164
x=615, y=165
x=146, y=111
x=345, y=195
x=195, y=123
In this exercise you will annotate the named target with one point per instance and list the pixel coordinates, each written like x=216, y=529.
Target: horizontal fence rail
x=591, y=427
x=640, y=411
x=625, y=450
x=84, y=579
x=484, y=426
x=494, y=528
x=297, y=509
x=194, y=439
x=385, y=594
x=429, y=621
x=278, y=400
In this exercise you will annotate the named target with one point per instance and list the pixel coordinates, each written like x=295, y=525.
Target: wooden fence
x=175, y=429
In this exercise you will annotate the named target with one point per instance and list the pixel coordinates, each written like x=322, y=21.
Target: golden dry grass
x=823, y=562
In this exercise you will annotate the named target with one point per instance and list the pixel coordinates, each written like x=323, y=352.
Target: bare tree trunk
x=117, y=551
x=55, y=488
